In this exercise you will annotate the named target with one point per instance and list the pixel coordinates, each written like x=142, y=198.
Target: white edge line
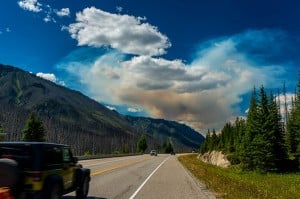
x=137, y=191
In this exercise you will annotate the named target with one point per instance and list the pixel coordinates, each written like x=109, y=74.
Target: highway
x=143, y=176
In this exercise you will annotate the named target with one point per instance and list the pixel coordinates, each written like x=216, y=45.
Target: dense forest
x=268, y=140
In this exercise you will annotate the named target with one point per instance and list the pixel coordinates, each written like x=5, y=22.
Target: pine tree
x=252, y=130
x=204, y=145
x=238, y=134
x=263, y=140
x=142, y=144
x=214, y=140
x=276, y=135
x=169, y=147
x=291, y=131
x=263, y=143
x=293, y=128
x=1, y=133
x=34, y=130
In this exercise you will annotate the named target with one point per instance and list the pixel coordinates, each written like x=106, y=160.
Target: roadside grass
x=232, y=183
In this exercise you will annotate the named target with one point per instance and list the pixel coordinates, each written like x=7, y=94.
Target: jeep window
x=67, y=156
x=22, y=154
x=53, y=157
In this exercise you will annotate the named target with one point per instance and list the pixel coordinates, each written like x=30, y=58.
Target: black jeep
x=41, y=170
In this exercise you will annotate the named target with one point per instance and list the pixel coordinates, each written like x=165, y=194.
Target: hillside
x=70, y=117
x=30, y=92
x=180, y=135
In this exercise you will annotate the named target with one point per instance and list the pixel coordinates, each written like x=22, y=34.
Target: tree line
x=83, y=144
x=82, y=140
x=264, y=141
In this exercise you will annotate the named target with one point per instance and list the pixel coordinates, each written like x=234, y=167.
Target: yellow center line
x=117, y=167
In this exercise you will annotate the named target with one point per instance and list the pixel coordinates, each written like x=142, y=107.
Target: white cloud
x=30, y=5
x=49, y=18
x=203, y=94
x=48, y=11
x=6, y=30
x=134, y=110
x=125, y=33
x=62, y=83
x=48, y=76
x=64, y=12
x=111, y=108
x=119, y=9
x=51, y=77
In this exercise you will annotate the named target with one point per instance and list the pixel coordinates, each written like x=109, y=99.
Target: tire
x=83, y=189
x=53, y=191
x=9, y=173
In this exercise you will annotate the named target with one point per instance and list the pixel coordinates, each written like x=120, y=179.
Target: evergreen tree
x=204, y=146
x=276, y=136
x=34, y=130
x=214, y=142
x=225, y=141
x=238, y=138
x=293, y=127
x=264, y=143
x=168, y=147
x=142, y=144
x=240, y=128
x=252, y=130
x=1, y=133
x=264, y=155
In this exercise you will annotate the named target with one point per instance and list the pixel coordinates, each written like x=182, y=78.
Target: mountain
x=72, y=118
x=180, y=135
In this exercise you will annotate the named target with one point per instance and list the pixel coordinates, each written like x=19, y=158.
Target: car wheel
x=82, y=191
x=53, y=191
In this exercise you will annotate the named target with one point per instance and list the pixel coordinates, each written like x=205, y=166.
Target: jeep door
x=68, y=168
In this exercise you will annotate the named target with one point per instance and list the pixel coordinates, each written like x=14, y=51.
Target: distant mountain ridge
x=180, y=135
x=71, y=117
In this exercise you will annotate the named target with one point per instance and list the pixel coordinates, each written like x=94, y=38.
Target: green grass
x=234, y=183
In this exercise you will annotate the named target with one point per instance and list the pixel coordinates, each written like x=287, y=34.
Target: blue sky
x=193, y=61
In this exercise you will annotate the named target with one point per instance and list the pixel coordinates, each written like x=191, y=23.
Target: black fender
x=81, y=173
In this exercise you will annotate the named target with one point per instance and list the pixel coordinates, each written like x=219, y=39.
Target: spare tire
x=9, y=173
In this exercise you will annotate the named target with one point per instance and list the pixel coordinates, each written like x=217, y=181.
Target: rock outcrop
x=216, y=158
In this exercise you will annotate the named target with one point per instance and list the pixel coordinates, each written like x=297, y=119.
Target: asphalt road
x=142, y=176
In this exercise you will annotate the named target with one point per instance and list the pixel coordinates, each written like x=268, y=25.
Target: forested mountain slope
x=180, y=135
x=68, y=116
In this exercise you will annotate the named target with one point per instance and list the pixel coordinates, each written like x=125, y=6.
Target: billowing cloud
x=64, y=12
x=30, y=5
x=125, y=33
x=204, y=93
